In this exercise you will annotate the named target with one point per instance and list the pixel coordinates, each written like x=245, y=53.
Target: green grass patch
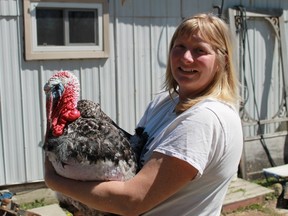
x=256, y=207
x=265, y=182
x=37, y=203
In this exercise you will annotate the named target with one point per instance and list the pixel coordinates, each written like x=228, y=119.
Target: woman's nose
x=188, y=57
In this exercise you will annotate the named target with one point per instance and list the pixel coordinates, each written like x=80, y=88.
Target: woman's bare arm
x=161, y=177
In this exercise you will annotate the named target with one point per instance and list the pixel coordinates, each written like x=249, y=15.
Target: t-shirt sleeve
x=192, y=138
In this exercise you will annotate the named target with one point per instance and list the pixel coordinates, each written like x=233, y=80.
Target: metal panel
x=2, y=165
x=161, y=33
x=262, y=45
x=13, y=168
x=125, y=73
x=108, y=81
x=142, y=63
x=125, y=9
x=32, y=130
x=123, y=84
x=9, y=7
x=165, y=8
x=191, y=8
x=147, y=8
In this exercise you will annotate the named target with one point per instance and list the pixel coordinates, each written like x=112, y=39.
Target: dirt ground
x=268, y=208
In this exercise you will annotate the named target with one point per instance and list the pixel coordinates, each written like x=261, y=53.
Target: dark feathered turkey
x=83, y=143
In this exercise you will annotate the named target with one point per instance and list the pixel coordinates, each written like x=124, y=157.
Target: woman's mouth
x=187, y=70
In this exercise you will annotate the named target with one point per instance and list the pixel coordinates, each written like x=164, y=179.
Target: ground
x=267, y=208
x=32, y=198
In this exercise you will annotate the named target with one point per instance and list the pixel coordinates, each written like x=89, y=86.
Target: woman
x=195, y=135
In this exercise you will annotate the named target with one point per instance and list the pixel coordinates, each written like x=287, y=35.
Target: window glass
x=82, y=27
x=50, y=30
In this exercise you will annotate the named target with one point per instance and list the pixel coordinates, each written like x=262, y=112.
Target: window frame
x=35, y=52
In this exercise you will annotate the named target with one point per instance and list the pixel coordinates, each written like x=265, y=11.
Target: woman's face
x=193, y=65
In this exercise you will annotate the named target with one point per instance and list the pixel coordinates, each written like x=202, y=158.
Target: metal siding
x=13, y=162
x=124, y=51
x=159, y=49
x=9, y=7
x=108, y=90
x=161, y=34
x=191, y=8
x=32, y=125
x=140, y=32
x=2, y=165
x=141, y=8
x=123, y=10
x=262, y=71
x=108, y=81
x=158, y=8
x=142, y=64
x=173, y=8
x=90, y=83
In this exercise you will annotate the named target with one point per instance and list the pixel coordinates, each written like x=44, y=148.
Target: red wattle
x=71, y=115
x=64, y=112
x=58, y=130
x=59, y=124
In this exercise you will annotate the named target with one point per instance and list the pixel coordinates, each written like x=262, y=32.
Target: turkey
x=83, y=143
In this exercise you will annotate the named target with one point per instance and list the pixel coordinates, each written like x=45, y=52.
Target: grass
x=37, y=203
x=272, y=184
x=265, y=182
x=254, y=208
x=257, y=207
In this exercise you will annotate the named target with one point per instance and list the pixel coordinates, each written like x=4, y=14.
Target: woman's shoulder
x=215, y=104
x=213, y=108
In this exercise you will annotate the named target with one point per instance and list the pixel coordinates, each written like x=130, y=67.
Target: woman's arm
x=161, y=177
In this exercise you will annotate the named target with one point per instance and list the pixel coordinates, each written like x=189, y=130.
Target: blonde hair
x=216, y=32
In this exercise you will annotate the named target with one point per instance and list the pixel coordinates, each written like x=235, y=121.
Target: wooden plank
x=242, y=193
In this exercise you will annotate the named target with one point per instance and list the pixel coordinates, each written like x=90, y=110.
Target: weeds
x=37, y=203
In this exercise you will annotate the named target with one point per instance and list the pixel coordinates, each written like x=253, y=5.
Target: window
x=66, y=30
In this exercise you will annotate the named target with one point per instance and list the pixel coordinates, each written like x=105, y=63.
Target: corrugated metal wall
x=140, y=31
x=261, y=76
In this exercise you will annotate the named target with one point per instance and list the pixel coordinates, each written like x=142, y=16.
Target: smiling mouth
x=187, y=70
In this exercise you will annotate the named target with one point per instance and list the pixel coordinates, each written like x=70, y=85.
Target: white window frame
x=69, y=51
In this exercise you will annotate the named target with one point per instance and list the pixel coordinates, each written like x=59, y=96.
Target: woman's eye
x=179, y=47
x=200, y=50
x=178, y=50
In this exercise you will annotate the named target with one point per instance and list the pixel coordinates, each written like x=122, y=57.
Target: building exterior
x=124, y=68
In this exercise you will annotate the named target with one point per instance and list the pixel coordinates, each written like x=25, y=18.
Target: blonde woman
x=195, y=134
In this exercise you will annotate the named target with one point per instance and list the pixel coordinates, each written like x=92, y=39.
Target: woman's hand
x=161, y=177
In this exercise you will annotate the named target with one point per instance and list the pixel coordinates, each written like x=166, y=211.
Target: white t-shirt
x=209, y=137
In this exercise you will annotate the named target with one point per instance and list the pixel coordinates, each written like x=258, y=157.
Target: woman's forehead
x=194, y=37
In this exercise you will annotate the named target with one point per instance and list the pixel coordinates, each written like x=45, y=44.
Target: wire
x=244, y=37
x=220, y=9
